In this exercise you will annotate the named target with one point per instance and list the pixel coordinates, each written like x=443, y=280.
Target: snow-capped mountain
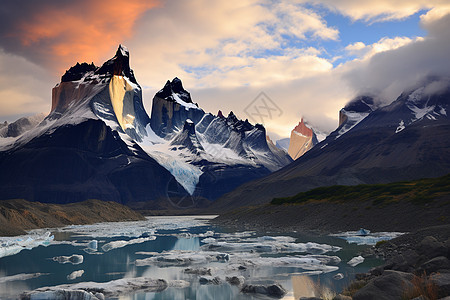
x=405, y=140
x=98, y=142
x=18, y=127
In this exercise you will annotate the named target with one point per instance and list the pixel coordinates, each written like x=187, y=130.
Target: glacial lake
x=165, y=247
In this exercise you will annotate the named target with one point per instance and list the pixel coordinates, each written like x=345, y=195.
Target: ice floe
x=119, y=244
x=75, y=275
x=369, y=238
x=21, y=276
x=271, y=246
x=13, y=245
x=110, y=289
x=182, y=258
x=75, y=259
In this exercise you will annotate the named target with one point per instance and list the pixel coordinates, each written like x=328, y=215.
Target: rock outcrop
x=302, y=139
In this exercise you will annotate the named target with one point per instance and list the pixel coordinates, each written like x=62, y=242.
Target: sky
x=270, y=61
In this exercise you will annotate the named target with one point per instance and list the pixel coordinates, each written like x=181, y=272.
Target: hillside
x=19, y=215
x=401, y=206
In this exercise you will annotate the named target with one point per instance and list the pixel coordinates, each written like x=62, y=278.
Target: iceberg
x=102, y=290
x=13, y=245
x=119, y=244
x=355, y=261
x=365, y=237
x=271, y=246
x=75, y=274
x=75, y=259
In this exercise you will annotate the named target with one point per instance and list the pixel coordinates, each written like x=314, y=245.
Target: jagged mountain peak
x=174, y=91
x=118, y=65
x=78, y=71
x=303, y=129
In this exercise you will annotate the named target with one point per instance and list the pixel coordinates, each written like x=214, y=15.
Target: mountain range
x=98, y=142
x=374, y=143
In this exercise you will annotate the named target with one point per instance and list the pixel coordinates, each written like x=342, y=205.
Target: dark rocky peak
x=237, y=124
x=189, y=126
x=361, y=104
x=118, y=65
x=174, y=86
x=232, y=119
x=78, y=71
x=220, y=114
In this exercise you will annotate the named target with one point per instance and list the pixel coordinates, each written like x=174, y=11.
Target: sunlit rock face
x=109, y=92
x=302, y=139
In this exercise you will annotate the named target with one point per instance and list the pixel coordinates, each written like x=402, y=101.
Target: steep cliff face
x=87, y=147
x=171, y=107
x=302, y=139
x=109, y=93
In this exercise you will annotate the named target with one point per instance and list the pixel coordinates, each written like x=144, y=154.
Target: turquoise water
x=165, y=237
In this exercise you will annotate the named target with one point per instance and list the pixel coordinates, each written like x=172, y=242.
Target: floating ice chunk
x=73, y=259
x=119, y=244
x=355, y=237
x=75, y=274
x=206, y=234
x=356, y=261
x=13, y=245
x=21, y=276
x=93, y=245
x=306, y=263
x=183, y=258
x=209, y=240
x=363, y=232
x=271, y=246
x=110, y=289
x=63, y=294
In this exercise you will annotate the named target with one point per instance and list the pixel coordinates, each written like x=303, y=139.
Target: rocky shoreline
x=417, y=264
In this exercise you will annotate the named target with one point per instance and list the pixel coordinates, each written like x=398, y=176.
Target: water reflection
x=173, y=234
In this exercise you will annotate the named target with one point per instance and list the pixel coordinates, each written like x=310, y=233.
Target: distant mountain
x=405, y=140
x=283, y=144
x=20, y=126
x=99, y=143
x=302, y=139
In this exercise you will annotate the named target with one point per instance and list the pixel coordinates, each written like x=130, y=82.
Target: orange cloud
x=80, y=30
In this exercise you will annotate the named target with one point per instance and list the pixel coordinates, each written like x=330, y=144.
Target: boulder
x=442, y=282
x=235, y=280
x=390, y=285
x=210, y=280
x=273, y=290
x=435, y=264
x=431, y=247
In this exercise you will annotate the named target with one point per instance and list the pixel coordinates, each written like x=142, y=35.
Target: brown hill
x=19, y=215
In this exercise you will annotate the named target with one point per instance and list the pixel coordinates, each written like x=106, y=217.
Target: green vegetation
x=419, y=191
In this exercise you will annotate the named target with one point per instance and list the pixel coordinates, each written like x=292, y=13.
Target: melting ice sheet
x=173, y=258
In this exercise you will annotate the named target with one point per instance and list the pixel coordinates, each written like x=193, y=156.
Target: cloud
x=388, y=73
x=380, y=10
x=56, y=34
x=362, y=51
x=25, y=88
